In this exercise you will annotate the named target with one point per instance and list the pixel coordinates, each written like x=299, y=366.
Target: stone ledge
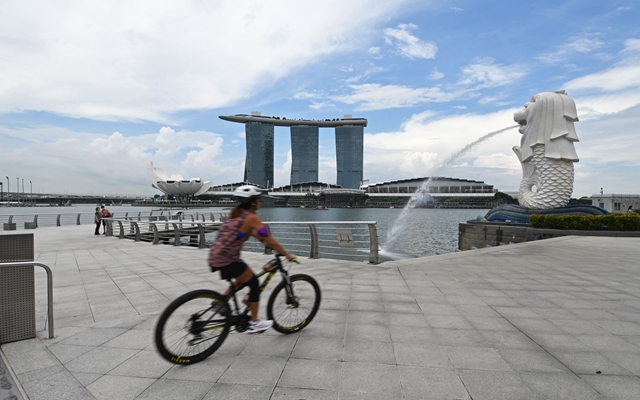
x=480, y=234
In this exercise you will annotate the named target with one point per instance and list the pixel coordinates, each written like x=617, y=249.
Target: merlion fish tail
x=546, y=183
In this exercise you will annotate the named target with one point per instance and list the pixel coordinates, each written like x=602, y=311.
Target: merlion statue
x=546, y=150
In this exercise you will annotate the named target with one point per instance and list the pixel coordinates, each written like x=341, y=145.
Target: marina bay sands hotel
x=304, y=148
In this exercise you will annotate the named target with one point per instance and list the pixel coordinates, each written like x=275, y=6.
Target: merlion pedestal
x=547, y=154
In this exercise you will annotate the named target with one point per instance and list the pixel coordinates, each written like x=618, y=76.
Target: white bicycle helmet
x=245, y=193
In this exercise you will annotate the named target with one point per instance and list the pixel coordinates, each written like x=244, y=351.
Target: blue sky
x=91, y=92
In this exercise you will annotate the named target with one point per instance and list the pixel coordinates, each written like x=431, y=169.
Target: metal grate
x=16, y=247
x=17, y=291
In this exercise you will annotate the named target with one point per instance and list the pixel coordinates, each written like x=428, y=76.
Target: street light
x=18, y=189
x=31, y=196
x=8, y=188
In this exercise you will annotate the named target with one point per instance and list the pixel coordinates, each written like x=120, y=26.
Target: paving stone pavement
x=553, y=319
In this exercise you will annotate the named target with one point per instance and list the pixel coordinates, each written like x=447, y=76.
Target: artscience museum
x=176, y=185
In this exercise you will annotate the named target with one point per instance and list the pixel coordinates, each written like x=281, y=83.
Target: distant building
x=616, y=203
x=436, y=186
x=304, y=154
x=304, y=187
x=349, y=155
x=258, y=166
x=349, y=133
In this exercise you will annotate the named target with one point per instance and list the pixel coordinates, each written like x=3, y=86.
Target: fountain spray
x=392, y=235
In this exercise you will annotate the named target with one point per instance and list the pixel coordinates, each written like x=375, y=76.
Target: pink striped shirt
x=226, y=248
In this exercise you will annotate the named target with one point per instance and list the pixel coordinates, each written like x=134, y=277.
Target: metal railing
x=162, y=229
x=68, y=219
x=319, y=239
x=326, y=239
x=49, y=287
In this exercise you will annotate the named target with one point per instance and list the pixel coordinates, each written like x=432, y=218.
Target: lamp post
x=31, y=196
x=8, y=189
x=18, y=189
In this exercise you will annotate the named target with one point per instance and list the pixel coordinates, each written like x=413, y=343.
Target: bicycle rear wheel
x=293, y=307
x=193, y=326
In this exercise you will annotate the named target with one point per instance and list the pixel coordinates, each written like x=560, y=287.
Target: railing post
x=49, y=289
x=313, y=232
x=267, y=250
x=139, y=215
x=10, y=219
x=78, y=220
x=58, y=220
x=176, y=235
x=212, y=218
x=137, y=229
x=151, y=219
x=373, y=247
x=201, y=243
x=156, y=236
x=109, y=231
x=121, y=233
x=35, y=220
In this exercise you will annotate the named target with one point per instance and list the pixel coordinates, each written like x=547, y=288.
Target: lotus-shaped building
x=175, y=184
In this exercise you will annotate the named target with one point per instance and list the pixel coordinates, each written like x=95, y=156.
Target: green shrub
x=612, y=222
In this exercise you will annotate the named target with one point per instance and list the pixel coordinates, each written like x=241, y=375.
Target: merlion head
x=548, y=118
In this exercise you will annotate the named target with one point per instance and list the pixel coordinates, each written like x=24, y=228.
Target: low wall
x=476, y=234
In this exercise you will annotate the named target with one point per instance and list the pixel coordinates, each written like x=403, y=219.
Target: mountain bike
x=196, y=324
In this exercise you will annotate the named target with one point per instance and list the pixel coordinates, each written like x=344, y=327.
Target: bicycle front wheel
x=293, y=307
x=192, y=327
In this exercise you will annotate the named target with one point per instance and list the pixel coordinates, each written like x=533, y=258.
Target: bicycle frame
x=237, y=314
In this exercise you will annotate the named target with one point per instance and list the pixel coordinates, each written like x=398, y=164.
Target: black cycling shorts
x=233, y=270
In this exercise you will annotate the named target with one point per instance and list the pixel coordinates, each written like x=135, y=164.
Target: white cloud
x=373, y=96
x=582, y=44
x=625, y=74
x=82, y=162
x=491, y=99
x=149, y=59
x=612, y=90
x=408, y=45
x=319, y=105
x=498, y=160
x=435, y=74
x=375, y=53
x=282, y=174
x=617, y=78
x=416, y=162
x=426, y=141
x=304, y=95
x=484, y=73
x=203, y=159
x=598, y=105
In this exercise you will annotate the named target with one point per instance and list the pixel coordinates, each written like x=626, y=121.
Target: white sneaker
x=259, y=326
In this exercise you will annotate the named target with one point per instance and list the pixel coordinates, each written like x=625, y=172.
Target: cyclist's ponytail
x=246, y=205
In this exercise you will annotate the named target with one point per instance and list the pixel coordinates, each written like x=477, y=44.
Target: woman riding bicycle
x=225, y=251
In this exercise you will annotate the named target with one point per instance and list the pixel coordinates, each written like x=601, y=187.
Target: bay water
x=428, y=231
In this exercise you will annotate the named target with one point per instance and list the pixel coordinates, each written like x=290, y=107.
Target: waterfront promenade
x=553, y=319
